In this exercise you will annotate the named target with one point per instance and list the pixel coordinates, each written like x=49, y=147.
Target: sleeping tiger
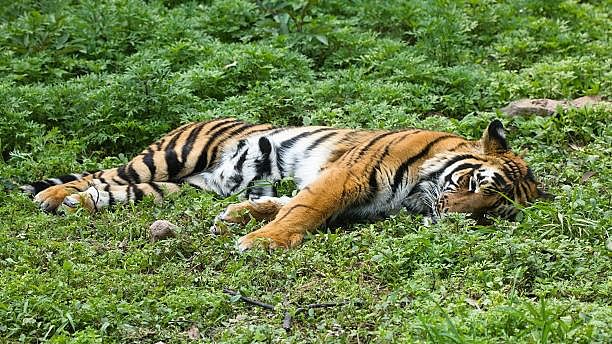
x=341, y=174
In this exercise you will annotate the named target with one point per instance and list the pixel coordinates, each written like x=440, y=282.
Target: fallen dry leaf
x=587, y=176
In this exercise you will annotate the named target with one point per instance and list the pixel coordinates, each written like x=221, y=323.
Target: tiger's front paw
x=51, y=198
x=269, y=239
x=83, y=199
x=262, y=209
x=231, y=215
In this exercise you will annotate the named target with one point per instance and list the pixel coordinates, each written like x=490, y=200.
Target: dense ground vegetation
x=86, y=84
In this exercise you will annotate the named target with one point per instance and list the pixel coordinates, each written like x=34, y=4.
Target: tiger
x=341, y=174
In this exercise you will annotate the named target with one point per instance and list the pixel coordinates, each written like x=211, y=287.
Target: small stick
x=249, y=300
x=288, y=319
x=331, y=304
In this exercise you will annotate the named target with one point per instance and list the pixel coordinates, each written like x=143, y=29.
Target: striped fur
x=342, y=174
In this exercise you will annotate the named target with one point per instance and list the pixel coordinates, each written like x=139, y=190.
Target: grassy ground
x=84, y=85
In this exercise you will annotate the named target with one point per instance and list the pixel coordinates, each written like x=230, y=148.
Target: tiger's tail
x=34, y=188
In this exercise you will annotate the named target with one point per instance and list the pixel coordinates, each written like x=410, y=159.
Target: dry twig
x=288, y=319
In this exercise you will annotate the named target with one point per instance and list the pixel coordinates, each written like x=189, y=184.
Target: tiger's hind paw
x=51, y=198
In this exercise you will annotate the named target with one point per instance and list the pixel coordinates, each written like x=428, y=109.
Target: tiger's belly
x=382, y=204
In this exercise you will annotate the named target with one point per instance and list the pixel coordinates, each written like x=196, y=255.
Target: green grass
x=84, y=85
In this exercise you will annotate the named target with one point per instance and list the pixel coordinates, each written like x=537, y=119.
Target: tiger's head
x=487, y=180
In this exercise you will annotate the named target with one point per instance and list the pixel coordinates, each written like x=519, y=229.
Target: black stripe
x=213, y=155
x=293, y=208
x=373, y=180
x=241, y=161
x=172, y=163
x=193, y=136
x=289, y=143
x=498, y=180
x=133, y=174
x=237, y=180
x=174, y=166
x=111, y=198
x=249, y=188
x=521, y=188
x=461, y=167
x=157, y=189
x=367, y=146
x=529, y=176
x=292, y=141
x=435, y=174
x=138, y=194
x=73, y=188
x=199, y=187
x=203, y=161
x=512, y=169
x=240, y=145
x=263, y=167
x=403, y=168
x=40, y=186
x=279, y=163
x=67, y=178
x=320, y=140
x=128, y=192
x=498, y=202
x=459, y=146
x=215, y=150
x=149, y=162
x=121, y=174
x=182, y=128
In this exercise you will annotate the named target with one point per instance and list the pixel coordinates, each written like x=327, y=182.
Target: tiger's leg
x=329, y=194
x=101, y=196
x=261, y=209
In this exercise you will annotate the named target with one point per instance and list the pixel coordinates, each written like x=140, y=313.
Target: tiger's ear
x=265, y=146
x=494, y=138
